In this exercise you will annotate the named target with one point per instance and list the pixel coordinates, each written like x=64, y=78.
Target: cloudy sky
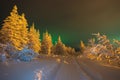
x=73, y=20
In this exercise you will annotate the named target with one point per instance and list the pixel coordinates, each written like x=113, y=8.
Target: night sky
x=73, y=20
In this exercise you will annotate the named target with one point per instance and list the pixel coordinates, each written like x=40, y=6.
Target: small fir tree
x=34, y=39
x=46, y=44
x=60, y=48
x=82, y=46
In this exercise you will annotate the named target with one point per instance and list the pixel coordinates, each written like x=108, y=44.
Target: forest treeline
x=15, y=36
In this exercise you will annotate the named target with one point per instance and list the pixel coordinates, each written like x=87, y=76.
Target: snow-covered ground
x=57, y=69
x=26, y=70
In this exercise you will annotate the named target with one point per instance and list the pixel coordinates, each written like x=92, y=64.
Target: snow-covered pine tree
x=14, y=30
x=23, y=31
x=82, y=46
x=70, y=51
x=104, y=42
x=46, y=43
x=34, y=39
x=59, y=48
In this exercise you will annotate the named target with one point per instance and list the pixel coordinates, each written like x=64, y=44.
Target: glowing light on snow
x=38, y=75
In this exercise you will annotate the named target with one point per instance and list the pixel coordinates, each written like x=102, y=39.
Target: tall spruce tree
x=60, y=48
x=14, y=30
x=46, y=43
x=34, y=39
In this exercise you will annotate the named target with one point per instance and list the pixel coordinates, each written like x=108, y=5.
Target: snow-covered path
x=27, y=70
x=98, y=72
x=85, y=69
x=70, y=71
x=66, y=69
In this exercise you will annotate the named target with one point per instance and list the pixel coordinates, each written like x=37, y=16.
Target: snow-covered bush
x=104, y=43
x=25, y=54
x=2, y=57
x=2, y=52
x=117, y=47
x=22, y=55
x=100, y=49
x=10, y=50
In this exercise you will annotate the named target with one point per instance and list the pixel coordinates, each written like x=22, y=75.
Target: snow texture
x=2, y=57
x=22, y=55
x=38, y=75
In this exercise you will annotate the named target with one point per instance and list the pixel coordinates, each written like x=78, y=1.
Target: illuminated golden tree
x=70, y=51
x=46, y=44
x=34, y=39
x=105, y=42
x=82, y=46
x=14, y=30
x=60, y=48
